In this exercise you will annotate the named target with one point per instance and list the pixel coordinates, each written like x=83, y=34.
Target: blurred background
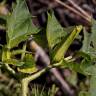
x=68, y=13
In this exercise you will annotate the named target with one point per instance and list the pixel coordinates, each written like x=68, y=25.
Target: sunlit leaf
x=5, y=53
x=55, y=32
x=28, y=70
x=19, y=25
x=29, y=65
x=64, y=47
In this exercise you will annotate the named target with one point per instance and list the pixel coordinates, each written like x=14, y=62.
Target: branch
x=27, y=80
x=79, y=9
x=44, y=57
x=87, y=18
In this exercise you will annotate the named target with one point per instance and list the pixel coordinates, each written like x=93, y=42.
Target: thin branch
x=27, y=80
x=73, y=10
x=9, y=69
x=45, y=59
x=79, y=9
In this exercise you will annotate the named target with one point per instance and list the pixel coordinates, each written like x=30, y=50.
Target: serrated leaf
x=29, y=65
x=55, y=31
x=19, y=25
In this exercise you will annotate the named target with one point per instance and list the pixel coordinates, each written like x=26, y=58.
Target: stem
x=27, y=80
x=45, y=59
x=16, y=52
x=6, y=65
x=9, y=69
x=24, y=85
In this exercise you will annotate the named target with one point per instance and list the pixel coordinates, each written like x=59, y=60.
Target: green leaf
x=93, y=36
x=84, y=55
x=71, y=65
x=92, y=89
x=89, y=42
x=64, y=47
x=29, y=65
x=5, y=53
x=28, y=70
x=55, y=32
x=86, y=41
x=19, y=25
x=72, y=78
x=85, y=67
x=84, y=93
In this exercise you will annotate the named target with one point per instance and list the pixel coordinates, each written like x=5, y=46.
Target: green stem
x=8, y=55
x=16, y=52
x=24, y=85
x=9, y=69
x=26, y=81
